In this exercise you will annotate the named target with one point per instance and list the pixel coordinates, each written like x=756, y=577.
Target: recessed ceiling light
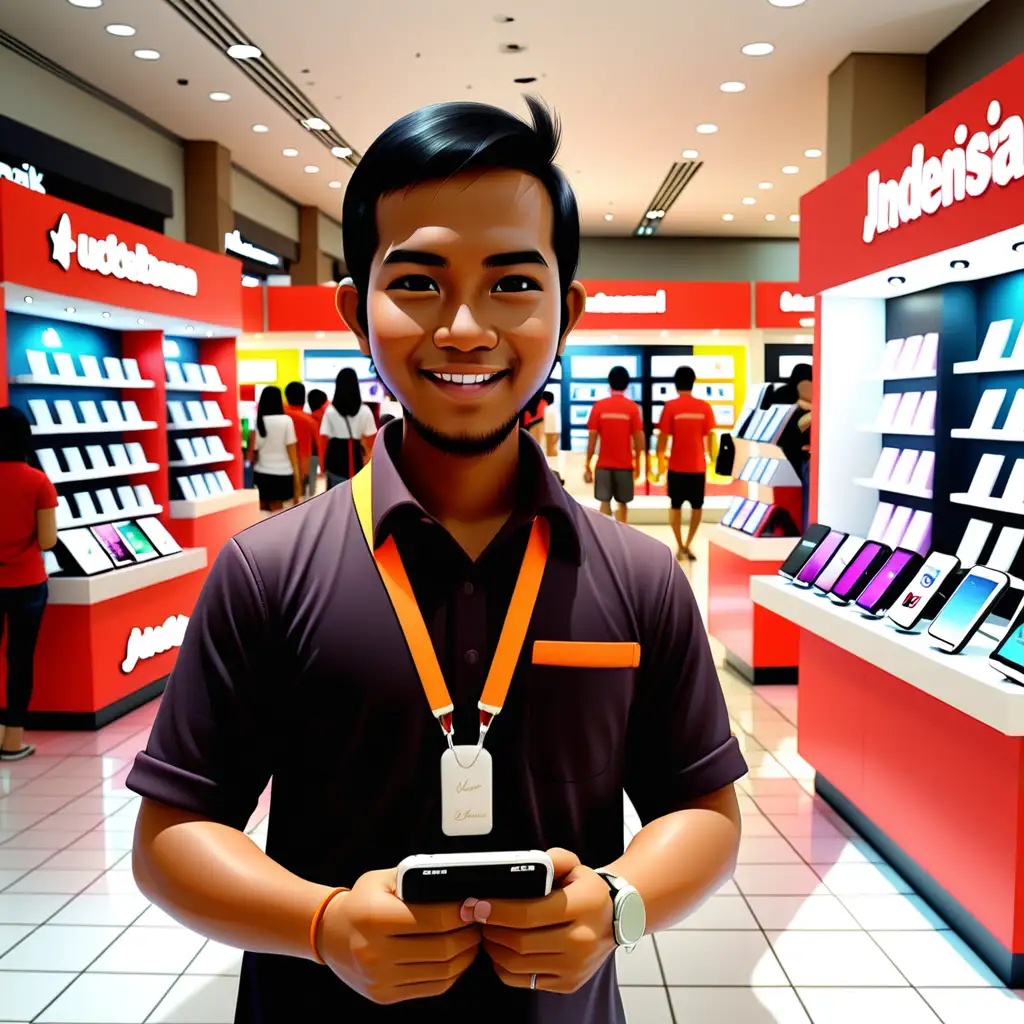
x=691, y=154
x=29, y=300
x=794, y=218
x=311, y=169
x=316, y=124
x=786, y=3
x=749, y=200
x=341, y=152
x=769, y=217
x=897, y=280
x=707, y=129
x=244, y=51
x=812, y=154
x=260, y=128
x=757, y=49
x=147, y=54
x=790, y=169
x=765, y=185
x=334, y=184
x=959, y=265
x=69, y=309
x=732, y=86
x=289, y=152
x=728, y=216
x=220, y=97
x=121, y=30
x=609, y=216
x=140, y=320
x=189, y=329
x=105, y=315
x=86, y=3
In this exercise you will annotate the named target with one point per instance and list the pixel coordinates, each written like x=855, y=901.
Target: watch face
x=631, y=918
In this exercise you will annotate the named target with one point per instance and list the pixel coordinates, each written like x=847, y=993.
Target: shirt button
x=468, y=589
x=472, y=657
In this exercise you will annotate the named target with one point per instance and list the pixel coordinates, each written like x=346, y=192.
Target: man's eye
x=414, y=283
x=516, y=283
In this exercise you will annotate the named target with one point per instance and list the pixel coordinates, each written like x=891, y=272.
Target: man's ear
x=346, y=300
x=576, y=301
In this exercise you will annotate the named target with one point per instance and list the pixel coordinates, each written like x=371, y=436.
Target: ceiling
x=631, y=81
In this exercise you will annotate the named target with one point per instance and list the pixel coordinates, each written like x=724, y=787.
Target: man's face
x=464, y=302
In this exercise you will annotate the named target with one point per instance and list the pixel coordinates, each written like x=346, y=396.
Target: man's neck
x=470, y=496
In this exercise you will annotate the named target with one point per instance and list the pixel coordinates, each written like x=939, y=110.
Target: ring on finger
x=533, y=981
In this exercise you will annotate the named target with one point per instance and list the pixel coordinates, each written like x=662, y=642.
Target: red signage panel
x=666, y=305
x=780, y=304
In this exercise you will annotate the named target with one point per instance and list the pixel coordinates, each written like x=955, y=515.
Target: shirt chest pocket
x=578, y=700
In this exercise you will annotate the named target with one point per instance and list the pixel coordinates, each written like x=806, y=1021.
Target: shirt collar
x=543, y=494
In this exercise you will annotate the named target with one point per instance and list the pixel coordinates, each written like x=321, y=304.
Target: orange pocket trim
x=573, y=654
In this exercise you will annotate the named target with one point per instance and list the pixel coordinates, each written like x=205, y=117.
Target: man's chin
x=464, y=444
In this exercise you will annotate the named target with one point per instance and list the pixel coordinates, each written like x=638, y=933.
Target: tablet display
x=136, y=540
x=746, y=508
x=114, y=545
x=756, y=518
x=158, y=536
x=85, y=551
x=730, y=513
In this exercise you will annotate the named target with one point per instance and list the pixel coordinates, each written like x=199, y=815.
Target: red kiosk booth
x=917, y=254
x=107, y=329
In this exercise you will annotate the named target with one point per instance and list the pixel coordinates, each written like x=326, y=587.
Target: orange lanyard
x=410, y=619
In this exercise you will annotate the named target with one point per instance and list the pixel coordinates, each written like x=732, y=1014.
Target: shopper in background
x=349, y=428
x=805, y=406
x=794, y=441
x=274, y=453
x=532, y=420
x=617, y=424
x=552, y=426
x=28, y=527
x=390, y=407
x=307, y=432
x=687, y=423
x=317, y=401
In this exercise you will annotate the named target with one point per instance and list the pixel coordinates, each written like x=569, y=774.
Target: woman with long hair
x=28, y=527
x=274, y=453
x=349, y=429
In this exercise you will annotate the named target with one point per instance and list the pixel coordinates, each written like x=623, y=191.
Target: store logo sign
x=25, y=175
x=108, y=256
x=147, y=643
x=602, y=303
x=790, y=302
x=966, y=171
x=233, y=242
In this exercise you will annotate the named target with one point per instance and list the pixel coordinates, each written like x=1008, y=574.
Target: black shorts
x=274, y=487
x=686, y=487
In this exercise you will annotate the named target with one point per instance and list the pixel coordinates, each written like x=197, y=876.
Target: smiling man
x=462, y=239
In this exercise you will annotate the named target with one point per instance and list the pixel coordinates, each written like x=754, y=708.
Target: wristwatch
x=629, y=916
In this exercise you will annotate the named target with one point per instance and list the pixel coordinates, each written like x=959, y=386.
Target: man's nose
x=465, y=333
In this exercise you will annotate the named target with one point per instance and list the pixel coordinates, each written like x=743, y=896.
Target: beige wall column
x=313, y=265
x=871, y=97
x=209, y=210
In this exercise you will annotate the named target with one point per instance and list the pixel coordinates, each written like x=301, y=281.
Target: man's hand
x=390, y=951
x=588, y=475
x=563, y=939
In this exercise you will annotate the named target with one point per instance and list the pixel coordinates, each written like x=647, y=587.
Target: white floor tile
x=833, y=959
x=936, y=959
x=86, y=860
x=45, y=880
x=862, y=879
x=26, y=995
x=874, y=1005
x=646, y=1005
x=777, y=880
x=10, y=934
x=154, y=917
x=737, y=1006
x=51, y=839
x=58, y=948
x=114, y=882
x=802, y=825
x=835, y=850
x=894, y=913
x=198, y=1000
x=216, y=958
x=759, y=826
x=150, y=950
x=718, y=958
x=975, y=1006
x=720, y=913
x=767, y=850
x=23, y=909
x=24, y=860
x=108, y=909
x=116, y=841
x=639, y=967
x=8, y=876
x=802, y=913
x=108, y=999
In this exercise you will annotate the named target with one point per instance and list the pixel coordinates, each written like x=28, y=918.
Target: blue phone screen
x=962, y=608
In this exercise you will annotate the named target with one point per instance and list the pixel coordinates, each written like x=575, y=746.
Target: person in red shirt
x=28, y=527
x=306, y=434
x=687, y=422
x=317, y=401
x=617, y=424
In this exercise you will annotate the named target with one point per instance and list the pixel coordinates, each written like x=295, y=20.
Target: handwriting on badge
x=465, y=786
x=468, y=816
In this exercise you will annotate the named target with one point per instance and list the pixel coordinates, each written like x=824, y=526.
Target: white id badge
x=466, y=792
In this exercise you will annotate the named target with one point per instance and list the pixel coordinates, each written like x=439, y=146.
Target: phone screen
x=756, y=518
x=961, y=611
x=114, y=544
x=873, y=593
x=826, y=549
x=797, y=559
x=856, y=569
x=734, y=507
x=913, y=601
x=1011, y=648
x=741, y=517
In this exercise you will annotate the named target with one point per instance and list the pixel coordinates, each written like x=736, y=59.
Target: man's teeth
x=466, y=378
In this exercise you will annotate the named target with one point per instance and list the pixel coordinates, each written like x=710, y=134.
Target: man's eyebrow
x=511, y=259
x=424, y=259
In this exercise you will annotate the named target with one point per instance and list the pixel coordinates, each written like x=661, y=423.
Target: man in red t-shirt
x=617, y=423
x=305, y=433
x=687, y=422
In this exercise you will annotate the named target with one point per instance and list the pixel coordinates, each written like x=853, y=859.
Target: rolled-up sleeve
x=680, y=747
x=208, y=752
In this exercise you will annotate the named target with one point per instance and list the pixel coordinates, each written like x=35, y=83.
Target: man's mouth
x=464, y=382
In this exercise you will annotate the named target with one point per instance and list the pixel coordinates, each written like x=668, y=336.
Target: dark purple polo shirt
x=294, y=667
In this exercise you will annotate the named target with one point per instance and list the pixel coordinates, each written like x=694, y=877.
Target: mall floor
x=812, y=928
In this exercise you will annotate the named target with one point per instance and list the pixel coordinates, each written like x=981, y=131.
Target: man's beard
x=466, y=445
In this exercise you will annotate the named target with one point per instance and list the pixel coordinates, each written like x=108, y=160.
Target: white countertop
x=93, y=589
x=215, y=503
x=754, y=549
x=964, y=681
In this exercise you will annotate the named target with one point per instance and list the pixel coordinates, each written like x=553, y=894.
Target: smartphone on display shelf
x=757, y=518
x=1008, y=657
x=744, y=514
x=84, y=551
x=806, y=547
x=455, y=877
x=909, y=608
x=821, y=557
x=730, y=513
x=137, y=541
x=836, y=565
x=114, y=544
x=967, y=608
x=158, y=536
x=863, y=567
x=889, y=582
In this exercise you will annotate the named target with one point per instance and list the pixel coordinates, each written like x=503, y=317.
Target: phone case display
x=837, y=564
x=922, y=593
x=64, y=371
x=861, y=570
x=908, y=358
x=1007, y=548
x=890, y=581
x=967, y=609
x=821, y=557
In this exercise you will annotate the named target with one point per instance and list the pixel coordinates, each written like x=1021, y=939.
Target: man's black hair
x=618, y=379
x=685, y=378
x=548, y=397
x=295, y=393
x=439, y=142
x=317, y=399
x=801, y=372
x=15, y=435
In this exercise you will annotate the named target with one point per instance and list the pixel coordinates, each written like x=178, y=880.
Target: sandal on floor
x=17, y=755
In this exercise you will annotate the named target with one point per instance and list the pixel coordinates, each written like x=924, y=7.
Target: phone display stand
x=1004, y=610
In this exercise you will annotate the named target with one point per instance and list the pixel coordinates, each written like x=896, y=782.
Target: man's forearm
x=678, y=861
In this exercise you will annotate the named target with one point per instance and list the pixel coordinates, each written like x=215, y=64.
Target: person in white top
x=273, y=452
x=552, y=425
x=349, y=428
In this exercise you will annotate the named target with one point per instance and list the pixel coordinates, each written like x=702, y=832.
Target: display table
x=760, y=646
x=211, y=522
x=921, y=752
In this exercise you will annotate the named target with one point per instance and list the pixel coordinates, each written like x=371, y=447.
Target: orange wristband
x=317, y=918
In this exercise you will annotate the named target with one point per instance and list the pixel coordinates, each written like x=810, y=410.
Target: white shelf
x=214, y=461
x=124, y=513
x=84, y=590
x=994, y=504
x=82, y=382
x=882, y=485
x=928, y=375
x=966, y=682
x=106, y=474
x=990, y=366
x=752, y=549
x=215, y=503
x=909, y=432
x=186, y=386
x=201, y=425
x=94, y=428
x=987, y=435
